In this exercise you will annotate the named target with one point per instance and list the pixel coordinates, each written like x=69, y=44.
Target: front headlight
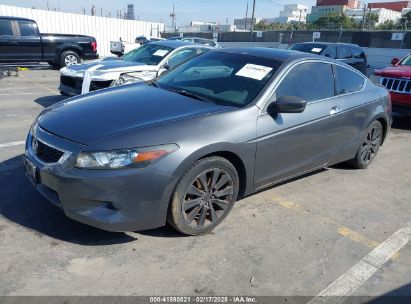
x=133, y=77
x=375, y=78
x=128, y=158
x=125, y=79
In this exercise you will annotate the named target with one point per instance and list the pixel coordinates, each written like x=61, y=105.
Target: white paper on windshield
x=160, y=53
x=316, y=50
x=254, y=71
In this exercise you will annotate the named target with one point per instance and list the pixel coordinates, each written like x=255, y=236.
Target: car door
x=289, y=144
x=30, y=47
x=8, y=41
x=355, y=109
x=344, y=54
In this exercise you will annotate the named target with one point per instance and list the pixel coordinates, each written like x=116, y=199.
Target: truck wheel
x=68, y=58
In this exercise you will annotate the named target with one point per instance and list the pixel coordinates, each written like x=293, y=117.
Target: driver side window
x=300, y=83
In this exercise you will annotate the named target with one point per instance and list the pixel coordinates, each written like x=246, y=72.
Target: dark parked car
x=208, y=42
x=218, y=127
x=21, y=41
x=350, y=54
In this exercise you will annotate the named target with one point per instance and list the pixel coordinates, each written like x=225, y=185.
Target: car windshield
x=406, y=61
x=221, y=78
x=312, y=48
x=150, y=54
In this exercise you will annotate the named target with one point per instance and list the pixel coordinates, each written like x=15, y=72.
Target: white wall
x=102, y=28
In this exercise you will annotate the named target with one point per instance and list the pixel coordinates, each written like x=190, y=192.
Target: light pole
x=252, y=21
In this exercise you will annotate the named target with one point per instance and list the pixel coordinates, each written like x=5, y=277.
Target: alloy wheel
x=371, y=145
x=207, y=198
x=70, y=60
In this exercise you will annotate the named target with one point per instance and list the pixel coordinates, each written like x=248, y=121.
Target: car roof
x=15, y=18
x=173, y=43
x=328, y=43
x=269, y=53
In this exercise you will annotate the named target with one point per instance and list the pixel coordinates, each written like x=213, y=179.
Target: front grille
x=397, y=85
x=46, y=153
x=97, y=85
x=72, y=82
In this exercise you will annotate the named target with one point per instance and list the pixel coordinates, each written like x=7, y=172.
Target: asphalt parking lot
x=298, y=238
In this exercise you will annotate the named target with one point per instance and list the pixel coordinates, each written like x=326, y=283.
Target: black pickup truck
x=21, y=41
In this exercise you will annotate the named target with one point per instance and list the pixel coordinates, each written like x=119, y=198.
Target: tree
x=387, y=25
x=405, y=20
x=372, y=19
x=335, y=21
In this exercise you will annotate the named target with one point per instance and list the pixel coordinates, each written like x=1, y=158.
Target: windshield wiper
x=189, y=94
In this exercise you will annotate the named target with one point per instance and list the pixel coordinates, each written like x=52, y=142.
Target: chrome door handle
x=335, y=110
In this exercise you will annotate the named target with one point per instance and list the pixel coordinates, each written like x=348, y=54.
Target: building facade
x=293, y=13
x=245, y=23
x=383, y=14
x=395, y=6
x=347, y=3
x=320, y=11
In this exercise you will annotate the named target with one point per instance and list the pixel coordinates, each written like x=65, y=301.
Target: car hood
x=92, y=117
x=100, y=67
x=398, y=71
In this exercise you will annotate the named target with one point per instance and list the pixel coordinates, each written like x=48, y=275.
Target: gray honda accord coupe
x=182, y=149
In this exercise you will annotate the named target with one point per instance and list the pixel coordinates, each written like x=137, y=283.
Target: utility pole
x=363, y=17
x=252, y=21
x=173, y=19
x=369, y=18
x=246, y=17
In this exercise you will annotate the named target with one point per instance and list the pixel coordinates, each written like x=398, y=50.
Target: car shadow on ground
x=22, y=204
x=47, y=101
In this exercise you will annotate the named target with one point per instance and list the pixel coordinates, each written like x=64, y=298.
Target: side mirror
x=395, y=60
x=287, y=104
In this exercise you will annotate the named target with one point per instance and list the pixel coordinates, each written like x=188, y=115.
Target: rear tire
x=204, y=196
x=369, y=146
x=68, y=58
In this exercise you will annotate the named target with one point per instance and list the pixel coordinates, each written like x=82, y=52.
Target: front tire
x=204, y=196
x=369, y=147
x=68, y=58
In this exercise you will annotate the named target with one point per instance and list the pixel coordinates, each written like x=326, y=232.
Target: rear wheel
x=369, y=147
x=68, y=58
x=204, y=196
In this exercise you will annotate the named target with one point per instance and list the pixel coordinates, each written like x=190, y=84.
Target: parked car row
x=184, y=146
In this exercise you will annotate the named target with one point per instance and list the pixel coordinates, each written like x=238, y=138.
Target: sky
x=159, y=10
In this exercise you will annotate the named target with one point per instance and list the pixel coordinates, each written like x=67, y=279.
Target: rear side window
x=347, y=80
x=299, y=82
x=357, y=53
x=330, y=52
x=27, y=28
x=5, y=28
x=344, y=52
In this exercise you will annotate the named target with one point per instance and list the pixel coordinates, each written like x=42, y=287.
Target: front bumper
x=401, y=103
x=112, y=200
